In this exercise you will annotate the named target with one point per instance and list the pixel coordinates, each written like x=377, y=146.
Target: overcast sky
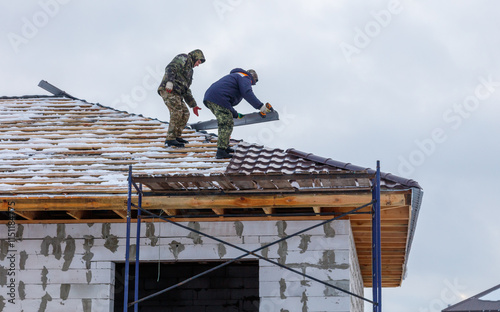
x=413, y=84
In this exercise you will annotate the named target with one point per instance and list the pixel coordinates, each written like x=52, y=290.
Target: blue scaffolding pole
x=137, y=244
x=127, y=242
x=376, y=244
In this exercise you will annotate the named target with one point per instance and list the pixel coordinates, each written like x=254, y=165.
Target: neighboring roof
x=479, y=303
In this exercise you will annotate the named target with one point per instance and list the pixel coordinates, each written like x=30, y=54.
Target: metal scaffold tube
x=127, y=242
x=137, y=244
x=376, y=244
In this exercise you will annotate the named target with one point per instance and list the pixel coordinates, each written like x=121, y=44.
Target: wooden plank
x=121, y=212
x=341, y=202
x=77, y=214
x=29, y=215
x=268, y=210
x=171, y=212
x=258, y=201
x=218, y=211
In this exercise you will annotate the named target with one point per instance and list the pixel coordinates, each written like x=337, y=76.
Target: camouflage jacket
x=180, y=72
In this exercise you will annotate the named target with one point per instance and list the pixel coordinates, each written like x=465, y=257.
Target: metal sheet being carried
x=249, y=119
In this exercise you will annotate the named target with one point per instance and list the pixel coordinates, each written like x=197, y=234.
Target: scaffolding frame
x=376, y=246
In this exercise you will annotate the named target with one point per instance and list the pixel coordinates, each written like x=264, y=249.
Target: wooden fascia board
x=270, y=201
x=44, y=203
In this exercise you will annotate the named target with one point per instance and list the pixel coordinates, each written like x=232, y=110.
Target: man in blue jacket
x=223, y=95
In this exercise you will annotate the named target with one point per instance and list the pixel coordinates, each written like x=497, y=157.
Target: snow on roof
x=59, y=145
x=56, y=145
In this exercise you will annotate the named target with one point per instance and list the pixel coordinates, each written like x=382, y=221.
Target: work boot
x=229, y=150
x=222, y=153
x=181, y=140
x=173, y=143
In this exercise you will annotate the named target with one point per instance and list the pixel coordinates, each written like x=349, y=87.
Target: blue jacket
x=231, y=89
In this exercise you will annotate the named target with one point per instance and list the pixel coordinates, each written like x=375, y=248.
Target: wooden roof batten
x=174, y=185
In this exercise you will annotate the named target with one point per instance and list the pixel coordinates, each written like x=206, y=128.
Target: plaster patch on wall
x=55, y=242
x=43, y=304
x=87, y=245
x=282, y=288
x=88, y=275
x=87, y=305
x=69, y=252
x=304, y=282
x=304, y=242
x=20, y=232
x=221, y=250
x=282, y=252
x=132, y=251
x=332, y=292
x=64, y=293
x=4, y=249
x=150, y=233
x=329, y=231
x=327, y=261
x=176, y=248
x=111, y=242
x=265, y=251
x=195, y=236
x=21, y=290
x=23, y=256
x=3, y=276
x=238, y=226
x=304, y=301
x=281, y=225
x=2, y=303
x=44, y=277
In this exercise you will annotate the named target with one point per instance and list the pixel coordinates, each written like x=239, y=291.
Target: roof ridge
x=78, y=99
x=12, y=97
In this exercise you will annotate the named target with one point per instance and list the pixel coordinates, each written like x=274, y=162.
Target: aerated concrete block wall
x=71, y=267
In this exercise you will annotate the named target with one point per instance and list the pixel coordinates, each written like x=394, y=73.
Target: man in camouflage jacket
x=175, y=91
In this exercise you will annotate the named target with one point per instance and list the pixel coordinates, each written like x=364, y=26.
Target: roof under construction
x=67, y=161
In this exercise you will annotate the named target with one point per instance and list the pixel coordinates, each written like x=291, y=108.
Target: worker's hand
x=265, y=108
x=196, y=109
x=240, y=116
x=169, y=86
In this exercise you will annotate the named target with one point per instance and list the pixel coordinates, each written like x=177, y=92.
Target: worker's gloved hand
x=169, y=86
x=265, y=108
x=196, y=109
x=240, y=116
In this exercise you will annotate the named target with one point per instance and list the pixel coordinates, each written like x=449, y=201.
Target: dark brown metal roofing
x=257, y=159
x=476, y=304
x=388, y=177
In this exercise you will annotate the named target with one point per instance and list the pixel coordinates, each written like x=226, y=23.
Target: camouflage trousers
x=179, y=114
x=225, y=123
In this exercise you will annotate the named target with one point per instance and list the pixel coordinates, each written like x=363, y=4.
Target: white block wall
x=70, y=267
